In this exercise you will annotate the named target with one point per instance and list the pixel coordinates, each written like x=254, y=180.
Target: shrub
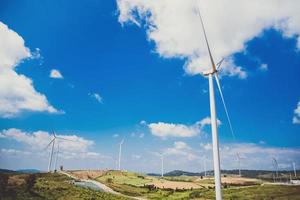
x=195, y=194
x=109, y=180
x=30, y=180
x=3, y=183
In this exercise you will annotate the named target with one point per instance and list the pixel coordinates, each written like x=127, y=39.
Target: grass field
x=48, y=186
x=134, y=184
x=57, y=186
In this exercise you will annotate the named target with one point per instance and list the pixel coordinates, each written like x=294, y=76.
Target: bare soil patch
x=87, y=174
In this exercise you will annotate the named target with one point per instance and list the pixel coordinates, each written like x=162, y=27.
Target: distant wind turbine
x=213, y=72
x=275, y=164
x=294, y=167
x=162, y=164
x=120, y=153
x=204, y=165
x=52, y=142
x=239, y=163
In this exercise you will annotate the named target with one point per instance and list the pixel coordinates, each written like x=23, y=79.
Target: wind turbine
x=162, y=165
x=275, y=164
x=120, y=152
x=57, y=152
x=204, y=165
x=239, y=162
x=294, y=167
x=52, y=142
x=213, y=72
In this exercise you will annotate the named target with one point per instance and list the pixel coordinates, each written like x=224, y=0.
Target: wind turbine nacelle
x=208, y=72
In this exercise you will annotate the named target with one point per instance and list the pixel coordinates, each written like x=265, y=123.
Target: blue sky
x=137, y=77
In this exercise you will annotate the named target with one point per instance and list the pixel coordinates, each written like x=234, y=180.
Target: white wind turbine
x=275, y=164
x=120, y=153
x=57, y=152
x=204, y=165
x=294, y=168
x=239, y=163
x=162, y=164
x=213, y=72
x=52, y=142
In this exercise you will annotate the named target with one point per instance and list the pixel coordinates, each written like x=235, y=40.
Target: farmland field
x=58, y=186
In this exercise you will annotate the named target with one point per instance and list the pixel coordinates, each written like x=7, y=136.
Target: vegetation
x=132, y=184
x=46, y=186
x=56, y=186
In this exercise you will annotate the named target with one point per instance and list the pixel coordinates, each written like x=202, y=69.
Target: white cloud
x=181, y=149
x=296, y=118
x=38, y=140
x=174, y=27
x=253, y=154
x=206, y=146
x=141, y=135
x=115, y=135
x=136, y=157
x=165, y=130
x=96, y=96
x=56, y=74
x=143, y=122
x=263, y=67
x=17, y=93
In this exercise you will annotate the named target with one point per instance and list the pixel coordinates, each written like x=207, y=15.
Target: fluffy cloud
x=165, y=130
x=181, y=149
x=56, y=74
x=252, y=154
x=17, y=93
x=40, y=139
x=96, y=96
x=174, y=27
x=296, y=118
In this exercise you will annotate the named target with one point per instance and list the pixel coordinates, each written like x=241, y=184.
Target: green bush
x=195, y=194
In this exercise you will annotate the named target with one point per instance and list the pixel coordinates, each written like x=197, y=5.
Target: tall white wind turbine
x=52, y=142
x=213, y=73
x=57, y=152
x=120, y=153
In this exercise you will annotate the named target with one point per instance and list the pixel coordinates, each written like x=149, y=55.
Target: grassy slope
x=53, y=186
x=130, y=184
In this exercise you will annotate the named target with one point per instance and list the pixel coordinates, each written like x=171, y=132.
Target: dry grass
x=87, y=174
x=174, y=184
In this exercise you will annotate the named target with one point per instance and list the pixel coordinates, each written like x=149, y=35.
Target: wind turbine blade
x=49, y=144
x=206, y=40
x=219, y=64
x=53, y=133
x=224, y=104
x=61, y=138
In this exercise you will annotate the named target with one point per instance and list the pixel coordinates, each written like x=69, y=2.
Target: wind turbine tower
x=275, y=164
x=213, y=73
x=52, y=142
x=239, y=163
x=162, y=165
x=204, y=165
x=294, y=167
x=120, y=153
x=57, y=152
